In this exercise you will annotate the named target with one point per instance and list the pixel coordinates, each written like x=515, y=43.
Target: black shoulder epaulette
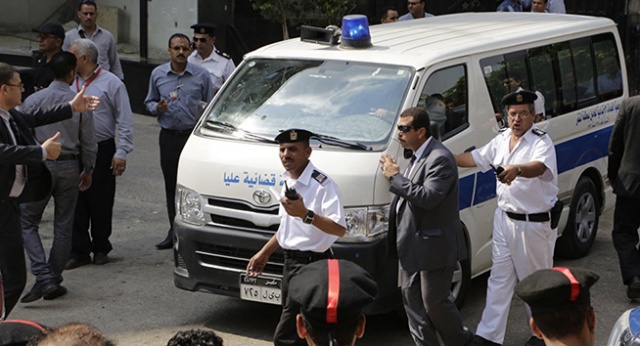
x=224, y=55
x=538, y=132
x=318, y=176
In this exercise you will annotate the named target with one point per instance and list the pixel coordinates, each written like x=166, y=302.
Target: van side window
x=567, y=75
x=444, y=97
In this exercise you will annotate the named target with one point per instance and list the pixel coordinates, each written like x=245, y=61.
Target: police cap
x=519, y=97
x=332, y=291
x=204, y=28
x=556, y=288
x=54, y=29
x=294, y=135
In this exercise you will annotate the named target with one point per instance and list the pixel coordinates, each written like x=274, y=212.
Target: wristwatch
x=309, y=218
x=519, y=171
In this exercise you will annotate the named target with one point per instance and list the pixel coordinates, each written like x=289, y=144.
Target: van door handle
x=470, y=149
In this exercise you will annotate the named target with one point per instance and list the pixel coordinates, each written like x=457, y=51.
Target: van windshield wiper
x=340, y=142
x=243, y=133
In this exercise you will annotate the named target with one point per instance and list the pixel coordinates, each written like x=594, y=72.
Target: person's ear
x=591, y=319
x=535, y=329
x=362, y=321
x=300, y=328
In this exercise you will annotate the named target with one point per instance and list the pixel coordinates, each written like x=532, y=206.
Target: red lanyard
x=95, y=75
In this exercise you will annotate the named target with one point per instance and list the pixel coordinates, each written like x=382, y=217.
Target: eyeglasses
x=46, y=36
x=405, y=128
x=201, y=39
x=179, y=48
x=19, y=85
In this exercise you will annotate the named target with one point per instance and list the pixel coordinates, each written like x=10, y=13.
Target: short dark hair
x=6, y=73
x=87, y=2
x=420, y=118
x=62, y=63
x=195, y=337
x=180, y=35
x=560, y=323
x=385, y=12
x=343, y=332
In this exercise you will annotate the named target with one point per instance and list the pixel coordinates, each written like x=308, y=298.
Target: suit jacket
x=28, y=152
x=624, y=150
x=426, y=231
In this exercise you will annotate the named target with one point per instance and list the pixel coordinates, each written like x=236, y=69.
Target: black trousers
x=171, y=145
x=94, y=209
x=12, y=263
x=626, y=220
x=286, y=333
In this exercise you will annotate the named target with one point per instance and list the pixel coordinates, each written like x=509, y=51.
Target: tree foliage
x=298, y=12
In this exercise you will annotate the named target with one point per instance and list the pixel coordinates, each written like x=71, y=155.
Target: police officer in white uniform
x=523, y=240
x=311, y=219
x=205, y=54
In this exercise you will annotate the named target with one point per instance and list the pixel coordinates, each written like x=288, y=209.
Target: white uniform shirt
x=320, y=194
x=524, y=195
x=219, y=67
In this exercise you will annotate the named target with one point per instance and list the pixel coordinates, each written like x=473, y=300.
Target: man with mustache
x=205, y=54
x=524, y=160
x=311, y=219
x=175, y=90
x=108, y=58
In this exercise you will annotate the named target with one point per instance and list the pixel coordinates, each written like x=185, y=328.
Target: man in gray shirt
x=78, y=143
x=94, y=210
x=108, y=58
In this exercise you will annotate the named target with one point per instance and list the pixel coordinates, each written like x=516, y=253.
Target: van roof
x=443, y=37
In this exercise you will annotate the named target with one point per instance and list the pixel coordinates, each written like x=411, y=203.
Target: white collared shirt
x=19, y=182
x=320, y=194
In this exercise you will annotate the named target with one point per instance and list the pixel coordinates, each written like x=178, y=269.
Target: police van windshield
x=349, y=101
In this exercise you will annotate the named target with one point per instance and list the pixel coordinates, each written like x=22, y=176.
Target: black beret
x=204, y=28
x=351, y=287
x=556, y=288
x=519, y=97
x=19, y=332
x=54, y=29
x=294, y=135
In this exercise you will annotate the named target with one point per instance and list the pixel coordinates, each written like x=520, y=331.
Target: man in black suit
x=425, y=231
x=22, y=173
x=624, y=177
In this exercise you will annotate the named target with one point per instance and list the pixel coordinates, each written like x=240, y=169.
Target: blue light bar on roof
x=355, y=32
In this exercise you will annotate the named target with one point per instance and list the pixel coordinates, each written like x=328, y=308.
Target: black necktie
x=16, y=131
x=408, y=169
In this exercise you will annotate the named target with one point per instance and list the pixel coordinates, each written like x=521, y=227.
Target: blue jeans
x=65, y=180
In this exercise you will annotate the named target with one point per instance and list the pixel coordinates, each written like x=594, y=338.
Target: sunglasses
x=405, y=128
x=201, y=39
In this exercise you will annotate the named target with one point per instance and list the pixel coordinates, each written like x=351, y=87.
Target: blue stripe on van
x=570, y=154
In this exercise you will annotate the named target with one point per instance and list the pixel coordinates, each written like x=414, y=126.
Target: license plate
x=261, y=289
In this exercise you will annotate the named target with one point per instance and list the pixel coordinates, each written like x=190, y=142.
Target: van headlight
x=626, y=330
x=189, y=206
x=366, y=223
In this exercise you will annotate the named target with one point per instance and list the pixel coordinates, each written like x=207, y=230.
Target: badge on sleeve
x=318, y=176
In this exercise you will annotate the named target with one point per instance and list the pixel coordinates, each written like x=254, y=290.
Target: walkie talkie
x=290, y=193
x=498, y=169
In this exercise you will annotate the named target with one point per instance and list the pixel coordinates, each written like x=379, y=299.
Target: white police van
x=455, y=66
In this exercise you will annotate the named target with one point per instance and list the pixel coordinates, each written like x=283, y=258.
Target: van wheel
x=581, y=229
x=460, y=282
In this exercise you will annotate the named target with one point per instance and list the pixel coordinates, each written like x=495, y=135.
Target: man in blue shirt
x=510, y=6
x=416, y=10
x=175, y=91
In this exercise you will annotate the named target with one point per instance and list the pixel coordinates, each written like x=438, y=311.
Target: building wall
x=26, y=15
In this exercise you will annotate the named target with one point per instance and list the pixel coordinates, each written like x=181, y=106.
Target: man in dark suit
x=425, y=230
x=624, y=177
x=22, y=173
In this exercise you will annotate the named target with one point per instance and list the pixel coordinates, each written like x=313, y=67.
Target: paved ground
x=134, y=301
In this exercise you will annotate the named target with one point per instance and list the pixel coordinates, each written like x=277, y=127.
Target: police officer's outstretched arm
x=259, y=260
x=296, y=208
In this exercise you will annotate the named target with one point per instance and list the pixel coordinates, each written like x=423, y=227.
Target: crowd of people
x=83, y=124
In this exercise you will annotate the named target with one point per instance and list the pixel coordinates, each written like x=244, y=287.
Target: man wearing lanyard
x=175, y=90
x=94, y=208
x=311, y=219
x=523, y=241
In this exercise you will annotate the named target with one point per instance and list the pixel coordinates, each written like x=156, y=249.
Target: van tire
x=582, y=226
x=461, y=282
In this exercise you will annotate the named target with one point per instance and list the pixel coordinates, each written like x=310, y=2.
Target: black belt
x=539, y=217
x=178, y=132
x=66, y=157
x=306, y=255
